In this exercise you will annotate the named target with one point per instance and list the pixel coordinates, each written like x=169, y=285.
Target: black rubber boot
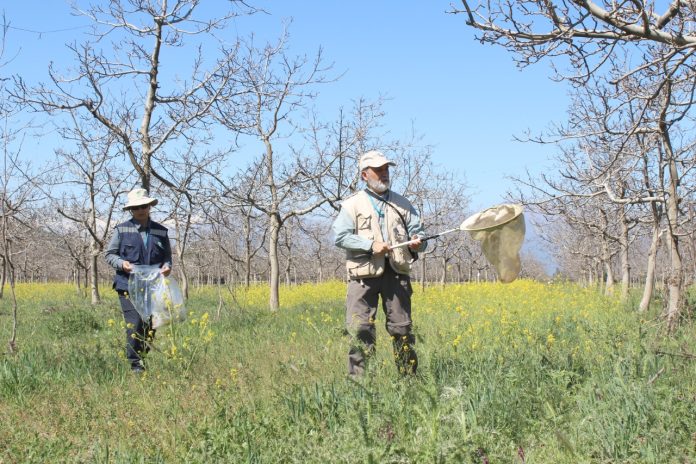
x=405, y=354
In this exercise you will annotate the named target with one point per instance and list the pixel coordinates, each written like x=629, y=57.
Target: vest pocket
x=364, y=222
x=130, y=253
x=400, y=258
x=365, y=267
x=157, y=253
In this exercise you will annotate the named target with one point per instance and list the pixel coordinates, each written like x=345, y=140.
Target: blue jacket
x=132, y=248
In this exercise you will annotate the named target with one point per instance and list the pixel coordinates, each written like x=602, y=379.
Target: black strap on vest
x=414, y=255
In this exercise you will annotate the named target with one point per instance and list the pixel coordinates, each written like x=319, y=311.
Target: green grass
x=508, y=373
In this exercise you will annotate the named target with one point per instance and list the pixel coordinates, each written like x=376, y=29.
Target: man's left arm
x=167, y=262
x=415, y=229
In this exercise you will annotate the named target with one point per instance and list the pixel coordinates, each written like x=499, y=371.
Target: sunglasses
x=135, y=208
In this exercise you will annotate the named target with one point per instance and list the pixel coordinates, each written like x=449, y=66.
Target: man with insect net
x=369, y=221
x=139, y=240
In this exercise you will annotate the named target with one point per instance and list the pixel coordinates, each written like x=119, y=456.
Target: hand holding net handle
x=422, y=239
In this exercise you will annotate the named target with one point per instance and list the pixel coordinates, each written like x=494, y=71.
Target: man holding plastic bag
x=136, y=243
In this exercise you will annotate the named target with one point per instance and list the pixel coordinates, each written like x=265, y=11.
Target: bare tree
x=19, y=195
x=224, y=217
x=12, y=200
x=585, y=32
x=338, y=145
x=316, y=234
x=282, y=186
x=123, y=86
x=86, y=192
x=593, y=35
x=533, y=267
x=189, y=172
x=17, y=192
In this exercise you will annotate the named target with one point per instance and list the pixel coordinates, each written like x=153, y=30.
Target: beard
x=378, y=186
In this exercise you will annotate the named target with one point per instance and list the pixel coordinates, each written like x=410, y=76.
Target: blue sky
x=467, y=99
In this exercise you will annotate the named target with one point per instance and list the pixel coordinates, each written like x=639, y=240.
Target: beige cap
x=500, y=230
x=374, y=159
x=138, y=197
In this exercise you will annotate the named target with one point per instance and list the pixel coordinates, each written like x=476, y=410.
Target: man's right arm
x=112, y=252
x=345, y=236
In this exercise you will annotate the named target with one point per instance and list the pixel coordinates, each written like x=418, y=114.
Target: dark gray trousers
x=361, y=312
x=138, y=332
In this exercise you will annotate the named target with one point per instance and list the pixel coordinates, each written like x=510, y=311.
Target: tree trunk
x=85, y=280
x=95, y=279
x=675, y=275
x=3, y=277
x=650, y=269
x=183, y=275
x=623, y=253
x=320, y=268
x=274, y=270
x=444, y=272
x=77, y=276
x=12, y=343
x=608, y=272
x=184, y=281
x=609, y=281
x=593, y=276
x=247, y=250
x=247, y=268
x=674, y=284
x=675, y=280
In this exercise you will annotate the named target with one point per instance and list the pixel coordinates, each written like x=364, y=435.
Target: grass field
x=525, y=372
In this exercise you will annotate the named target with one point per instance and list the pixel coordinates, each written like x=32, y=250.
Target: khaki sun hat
x=138, y=197
x=500, y=230
x=374, y=159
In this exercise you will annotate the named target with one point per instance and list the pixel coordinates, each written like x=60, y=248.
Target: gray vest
x=133, y=249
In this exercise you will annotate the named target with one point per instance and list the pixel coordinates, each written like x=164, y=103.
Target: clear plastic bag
x=155, y=296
